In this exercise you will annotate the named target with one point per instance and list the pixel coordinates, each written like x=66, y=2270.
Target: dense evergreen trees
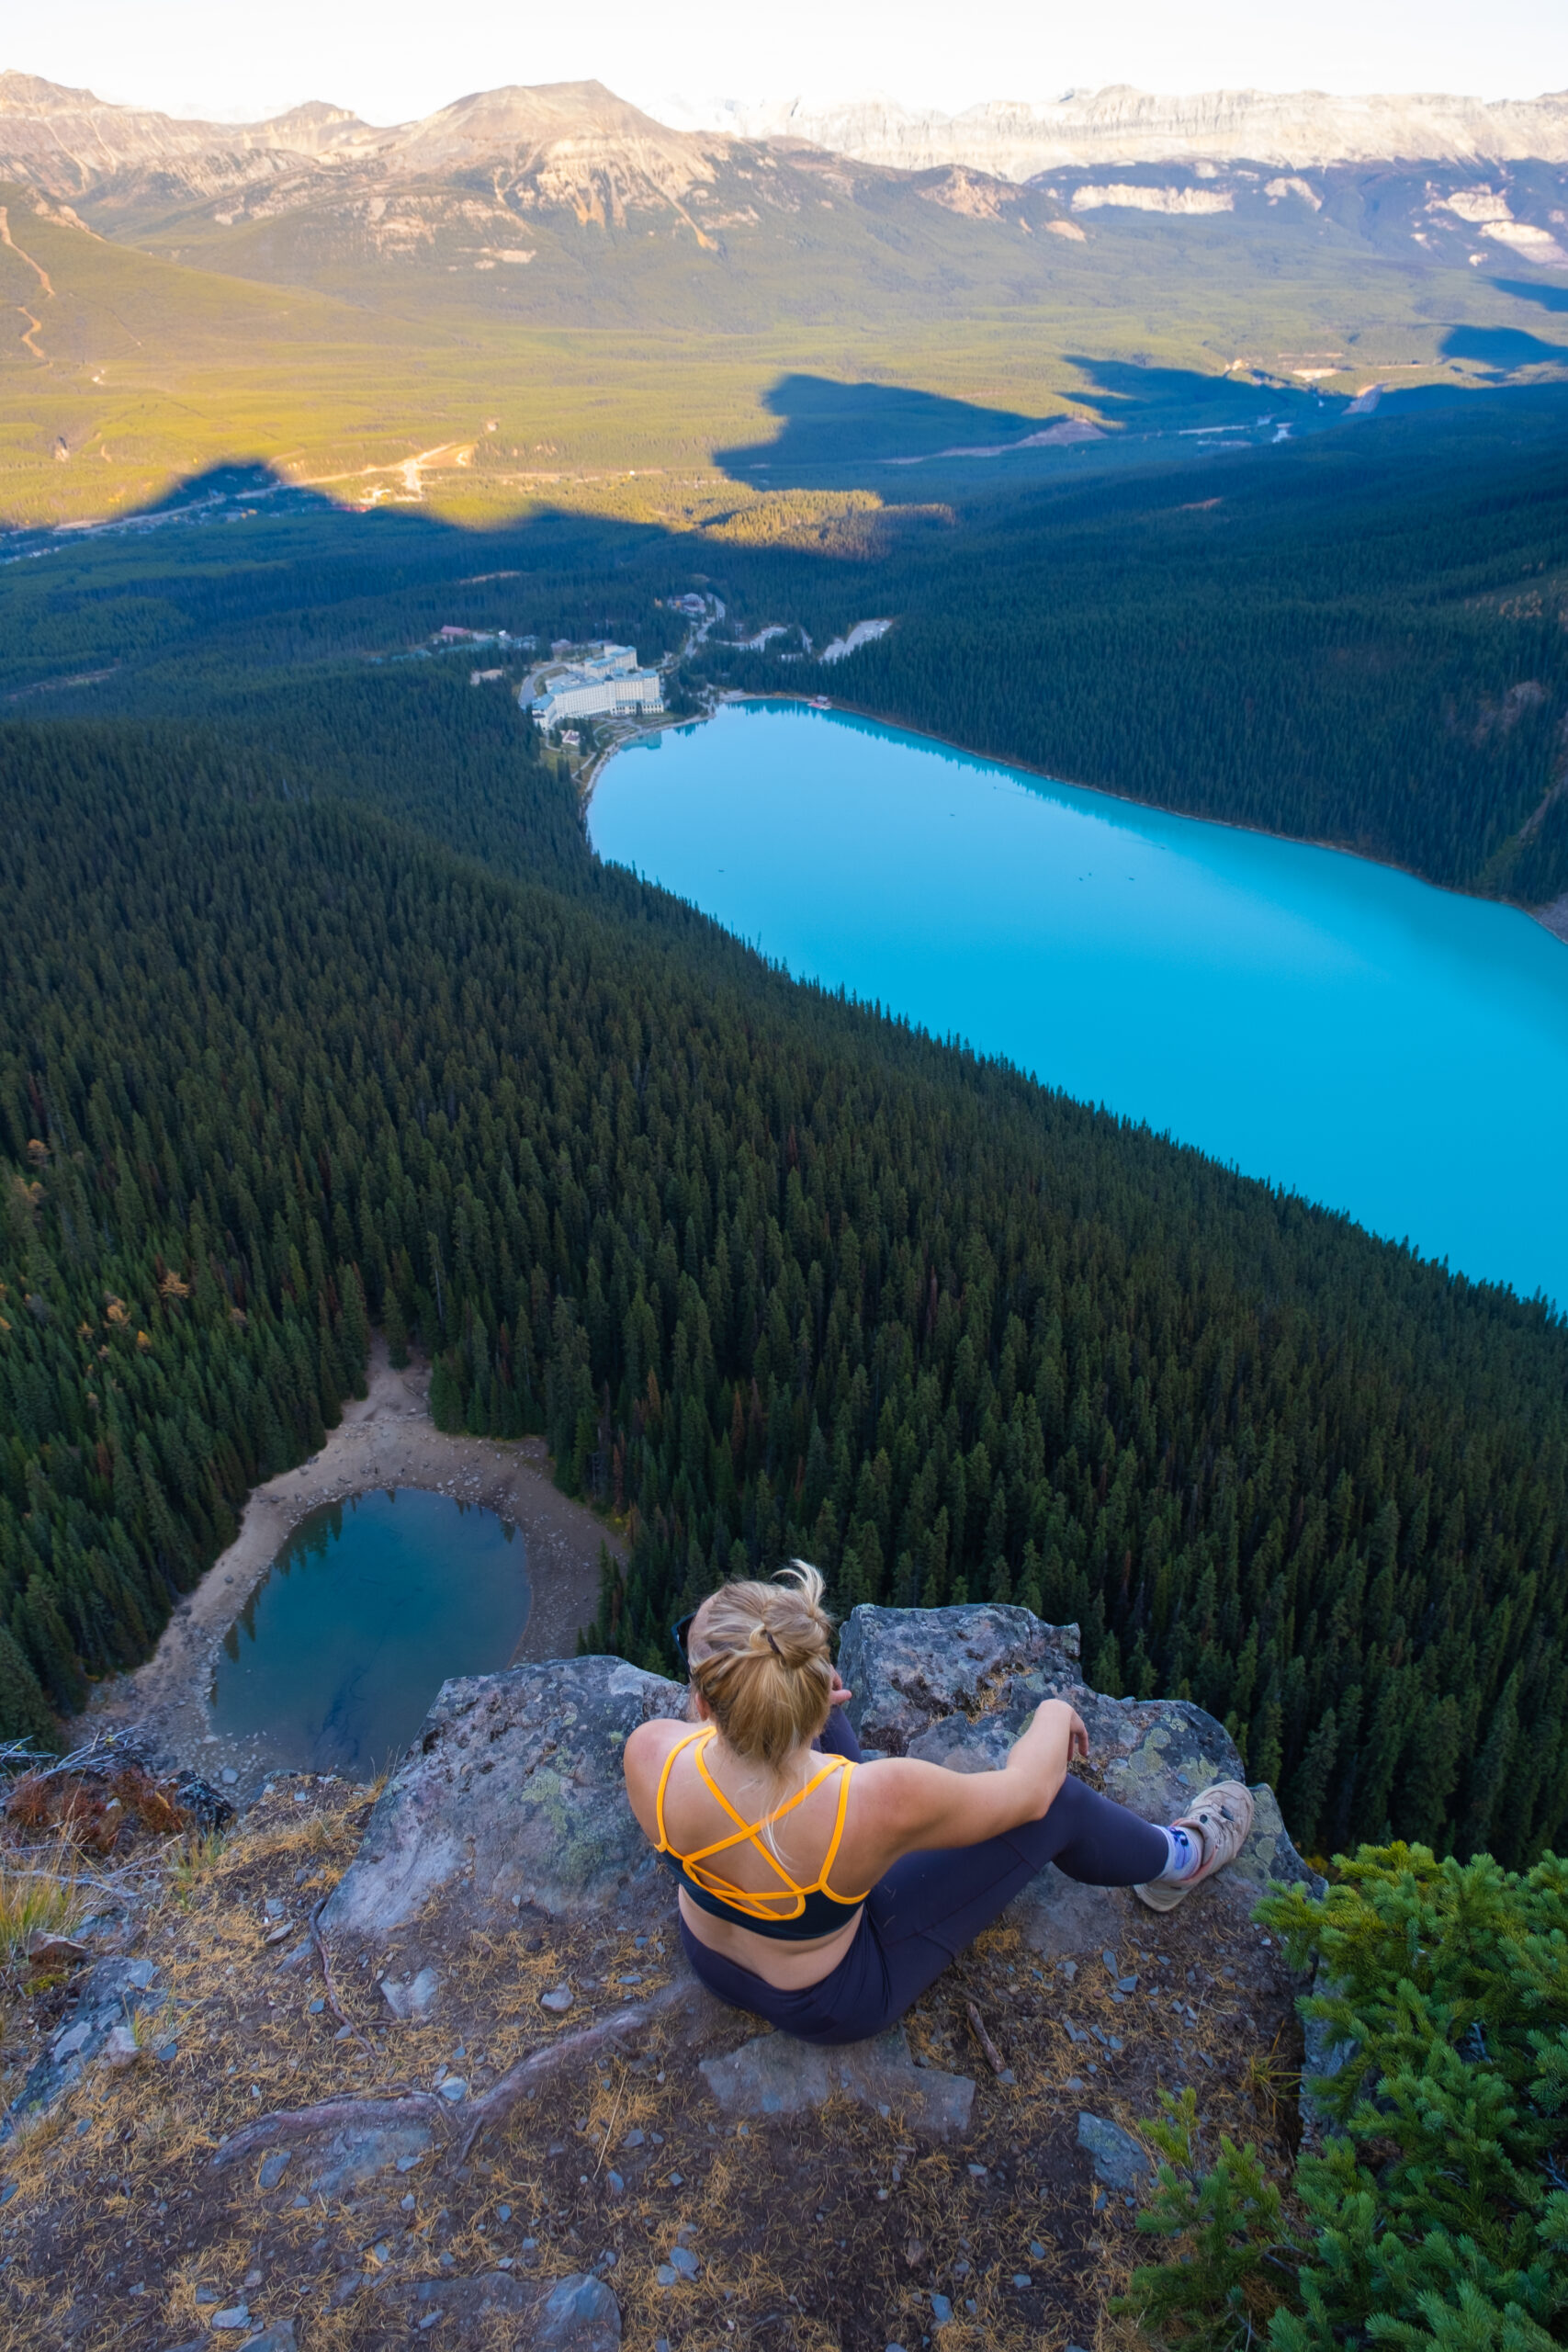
x=1360, y=644
x=1359, y=639
x=773, y=1273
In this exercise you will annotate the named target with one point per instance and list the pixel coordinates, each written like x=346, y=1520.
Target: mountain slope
x=65, y=141
x=469, y=188
x=516, y=283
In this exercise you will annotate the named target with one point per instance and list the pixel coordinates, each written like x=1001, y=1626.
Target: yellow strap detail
x=754, y=1906
x=822, y=1886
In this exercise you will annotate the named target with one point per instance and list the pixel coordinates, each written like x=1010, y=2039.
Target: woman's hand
x=841, y=1694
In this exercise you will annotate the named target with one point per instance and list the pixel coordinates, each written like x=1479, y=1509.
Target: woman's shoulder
x=652, y=1741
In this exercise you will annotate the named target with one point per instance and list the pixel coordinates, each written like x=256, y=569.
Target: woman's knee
x=837, y=1738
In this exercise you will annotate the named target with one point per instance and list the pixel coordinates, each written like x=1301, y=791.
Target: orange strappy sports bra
x=810, y=1911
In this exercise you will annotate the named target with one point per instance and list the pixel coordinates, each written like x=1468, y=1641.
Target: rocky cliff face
x=576, y=145
x=477, y=2086
x=66, y=142
x=573, y=144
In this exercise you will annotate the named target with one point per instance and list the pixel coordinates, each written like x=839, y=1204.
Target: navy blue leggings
x=930, y=1906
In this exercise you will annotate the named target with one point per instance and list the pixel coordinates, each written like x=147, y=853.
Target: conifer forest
x=320, y=1017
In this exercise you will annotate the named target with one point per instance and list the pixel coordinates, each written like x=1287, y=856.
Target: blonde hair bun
x=766, y=1670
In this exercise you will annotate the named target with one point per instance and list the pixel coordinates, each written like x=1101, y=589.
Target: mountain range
x=1295, y=129
x=460, y=188
x=532, y=281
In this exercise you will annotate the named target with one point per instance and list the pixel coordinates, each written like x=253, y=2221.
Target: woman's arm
x=905, y=1806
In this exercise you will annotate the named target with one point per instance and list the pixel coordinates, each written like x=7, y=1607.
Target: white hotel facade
x=605, y=681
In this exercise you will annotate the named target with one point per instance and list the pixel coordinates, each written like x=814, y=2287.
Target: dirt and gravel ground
x=840, y=2227
x=385, y=1440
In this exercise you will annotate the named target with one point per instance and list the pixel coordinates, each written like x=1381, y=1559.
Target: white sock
x=1186, y=1854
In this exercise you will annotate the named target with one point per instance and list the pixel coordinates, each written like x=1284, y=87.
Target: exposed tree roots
x=460, y=2126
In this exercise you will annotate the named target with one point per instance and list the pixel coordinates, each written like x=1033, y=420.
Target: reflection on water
x=332, y=1662
x=1380, y=1046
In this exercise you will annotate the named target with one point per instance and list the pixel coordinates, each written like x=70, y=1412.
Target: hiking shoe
x=1221, y=1823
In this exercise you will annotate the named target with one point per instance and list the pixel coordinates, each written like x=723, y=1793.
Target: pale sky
x=393, y=61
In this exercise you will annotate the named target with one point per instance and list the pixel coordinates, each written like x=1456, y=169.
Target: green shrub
x=1436, y=2214
x=1229, y=2220
x=1437, y=2205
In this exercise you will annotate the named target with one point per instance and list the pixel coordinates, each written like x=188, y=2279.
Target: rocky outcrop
x=910, y=1668
x=511, y=2112
x=512, y=1795
x=110, y=1999
x=956, y=1687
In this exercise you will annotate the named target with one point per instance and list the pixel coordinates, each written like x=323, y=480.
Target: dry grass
x=41, y=1893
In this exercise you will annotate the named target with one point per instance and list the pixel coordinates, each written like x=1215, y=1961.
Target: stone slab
x=412, y=1996
x=578, y=2313
x=1114, y=2155
x=774, y=2075
x=353, y=2157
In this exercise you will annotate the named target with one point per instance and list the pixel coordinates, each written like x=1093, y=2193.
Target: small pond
x=335, y=1657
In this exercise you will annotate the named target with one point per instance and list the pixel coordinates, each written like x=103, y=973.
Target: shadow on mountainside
x=902, y=442
x=1504, y=349
x=889, y=438
x=1545, y=296
x=237, y=569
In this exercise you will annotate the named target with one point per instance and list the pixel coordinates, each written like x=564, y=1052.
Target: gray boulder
x=512, y=1794
x=910, y=1667
x=356, y=2154
x=410, y=1997
x=772, y=2074
x=956, y=1687
x=1115, y=2155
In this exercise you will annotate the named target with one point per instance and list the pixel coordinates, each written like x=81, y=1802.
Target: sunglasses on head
x=679, y=1631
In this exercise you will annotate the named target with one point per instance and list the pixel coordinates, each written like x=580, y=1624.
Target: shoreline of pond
x=385, y=1441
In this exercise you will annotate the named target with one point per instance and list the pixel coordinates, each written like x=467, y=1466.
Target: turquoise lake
x=332, y=1663
x=1386, y=1048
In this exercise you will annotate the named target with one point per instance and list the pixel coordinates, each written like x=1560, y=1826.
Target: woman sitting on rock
x=825, y=1894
